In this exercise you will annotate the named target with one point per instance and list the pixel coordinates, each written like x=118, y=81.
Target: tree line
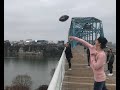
x=46, y=49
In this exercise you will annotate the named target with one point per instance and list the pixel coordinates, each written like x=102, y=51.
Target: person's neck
x=99, y=49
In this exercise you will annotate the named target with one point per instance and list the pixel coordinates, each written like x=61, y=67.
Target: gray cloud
x=38, y=19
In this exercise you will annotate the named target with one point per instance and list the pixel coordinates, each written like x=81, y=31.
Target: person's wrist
x=75, y=37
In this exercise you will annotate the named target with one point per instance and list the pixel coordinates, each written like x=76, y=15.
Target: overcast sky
x=38, y=19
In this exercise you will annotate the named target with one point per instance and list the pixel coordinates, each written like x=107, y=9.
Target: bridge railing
x=57, y=79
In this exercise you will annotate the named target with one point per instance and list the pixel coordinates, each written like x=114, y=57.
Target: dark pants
x=69, y=62
x=110, y=67
x=88, y=58
x=100, y=86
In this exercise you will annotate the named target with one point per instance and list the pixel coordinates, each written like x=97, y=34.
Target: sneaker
x=110, y=74
x=69, y=69
x=88, y=66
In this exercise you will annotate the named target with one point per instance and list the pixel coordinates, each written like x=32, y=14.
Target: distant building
x=33, y=42
x=28, y=42
x=6, y=41
x=42, y=42
x=51, y=42
x=21, y=42
x=114, y=45
x=109, y=45
x=60, y=43
x=14, y=43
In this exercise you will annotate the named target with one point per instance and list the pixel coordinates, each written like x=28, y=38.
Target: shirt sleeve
x=83, y=42
x=99, y=62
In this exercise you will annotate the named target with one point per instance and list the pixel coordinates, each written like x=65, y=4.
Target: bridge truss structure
x=87, y=28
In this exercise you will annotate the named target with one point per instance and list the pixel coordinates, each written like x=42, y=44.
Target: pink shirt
x=97, y=60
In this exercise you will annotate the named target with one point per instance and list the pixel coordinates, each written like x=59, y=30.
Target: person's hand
x=71, y=37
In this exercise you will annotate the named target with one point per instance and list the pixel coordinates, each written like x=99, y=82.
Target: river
x=38, y=68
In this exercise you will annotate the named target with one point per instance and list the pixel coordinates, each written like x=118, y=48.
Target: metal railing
x=57, y=79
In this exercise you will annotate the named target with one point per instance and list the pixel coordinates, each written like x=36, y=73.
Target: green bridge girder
x=87, y=28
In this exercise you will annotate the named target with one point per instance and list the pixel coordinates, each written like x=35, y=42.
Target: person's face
x=66, y=44
x=97, y=43
x=110, y=50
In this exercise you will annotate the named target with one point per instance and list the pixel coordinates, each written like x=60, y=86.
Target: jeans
x=69, y=62
x=110, y=67
x=100, y=86
x=88, y=58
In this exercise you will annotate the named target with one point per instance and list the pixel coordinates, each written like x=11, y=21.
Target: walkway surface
x=81, y=76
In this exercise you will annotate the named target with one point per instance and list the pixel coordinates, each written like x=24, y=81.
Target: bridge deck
x=81, y=77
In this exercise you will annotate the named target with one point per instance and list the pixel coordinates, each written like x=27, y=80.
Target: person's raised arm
x=81, y=40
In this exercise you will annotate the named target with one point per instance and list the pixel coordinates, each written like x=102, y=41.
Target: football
x=63, y=18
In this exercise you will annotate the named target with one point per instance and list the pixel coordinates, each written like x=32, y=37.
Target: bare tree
x=20, y=82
